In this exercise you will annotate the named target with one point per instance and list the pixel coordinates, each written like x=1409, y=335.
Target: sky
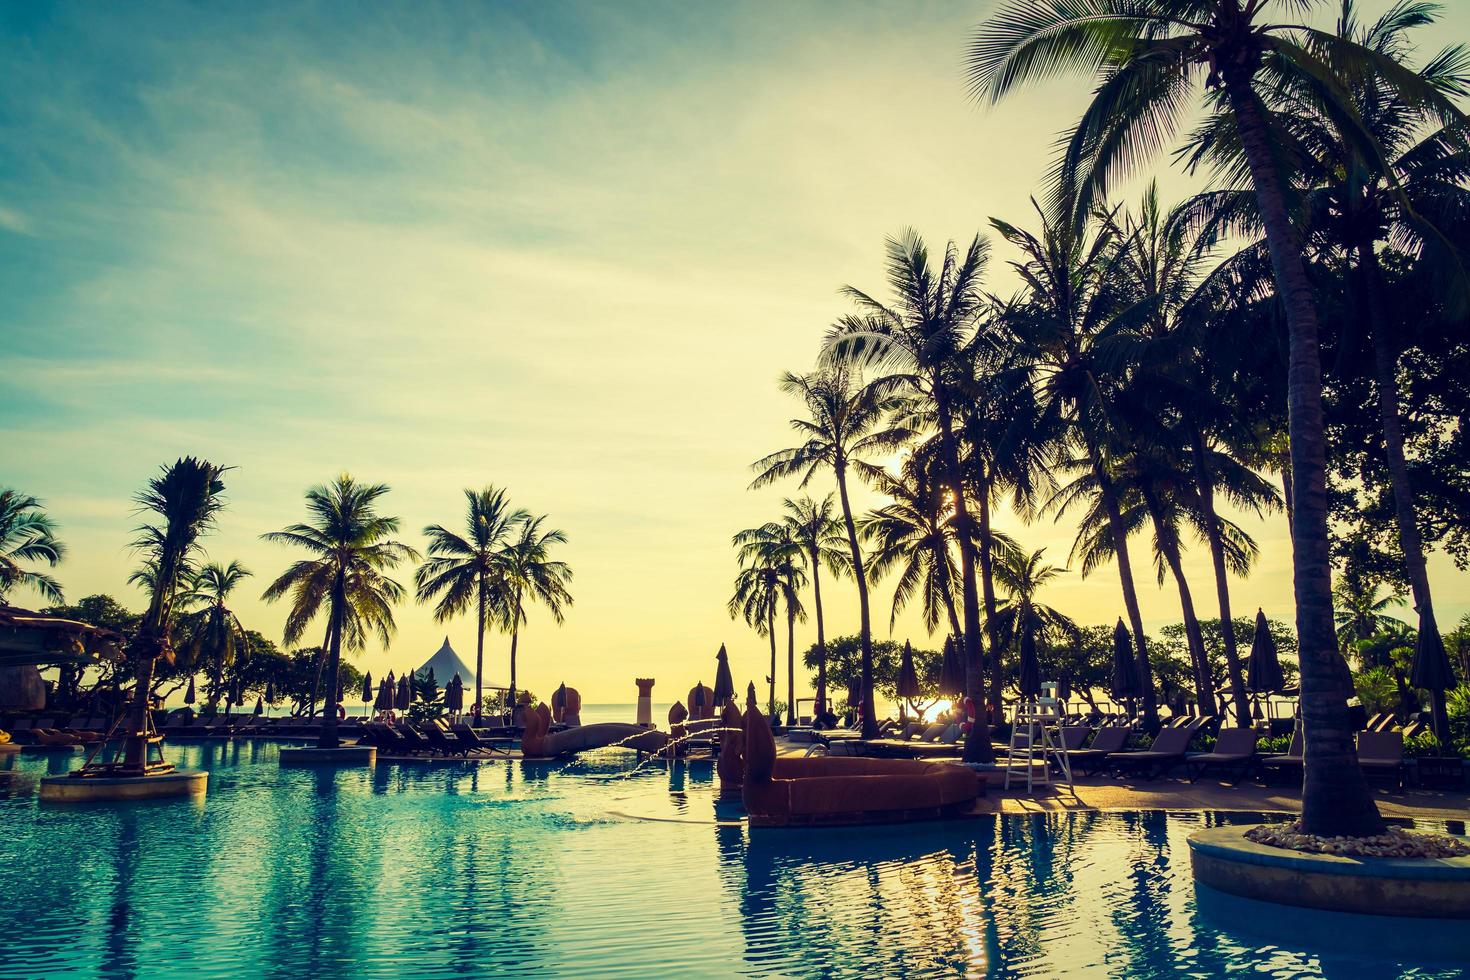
x=563, y=248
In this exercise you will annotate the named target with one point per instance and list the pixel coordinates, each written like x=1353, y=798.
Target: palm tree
x=914, y=534
x=846, y=421
x=1023, y=575
x=1148, y=55
x=1361, y=611
x=531, y=575
x=27, y=533
x=756, y=598
x=921, y=340
x=1060, y=341
x=775, y=547
x=469, y=568
x=351, y=551
x=215, y=634
x=185, y=499
x=816, y=528
x=1407, y=188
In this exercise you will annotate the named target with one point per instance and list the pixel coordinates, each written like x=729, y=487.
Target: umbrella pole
x=1440, y=720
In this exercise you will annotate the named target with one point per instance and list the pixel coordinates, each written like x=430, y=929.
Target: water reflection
x=525, y=869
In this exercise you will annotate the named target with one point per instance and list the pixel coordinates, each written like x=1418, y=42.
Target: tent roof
x=446, y=664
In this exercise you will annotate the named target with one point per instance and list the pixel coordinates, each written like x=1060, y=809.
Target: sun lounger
x=1109, y=739
x=1235, y=749
x=492, y=743
x=1382, y=752
x=1289, y=764
x=1165, y=752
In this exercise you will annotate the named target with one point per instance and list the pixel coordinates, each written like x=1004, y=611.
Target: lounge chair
x=1289, y=764
x=1382, y=752
x=1109, y=739
x=440, y=741
x=470, y=737
x=1415, y=727
x=1385, y=723
x=1164, y=753
x=1235, y=749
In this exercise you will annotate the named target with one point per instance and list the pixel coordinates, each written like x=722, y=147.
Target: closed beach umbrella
x=260, y=706
x=696, y=696
x=1030, y=669
x=454, y=694
x=405, y=694
x=1064, y=687
x=1432, y=672
x=1127, y=685
x=854, y=692
x=367, y=688
x=189, y=694
x=1263, y=669
x=951, y=671
x=908, y=680
x=750, y=701
x=384, y=701
x=559, y=697
x=724, y=684
x=270, y=692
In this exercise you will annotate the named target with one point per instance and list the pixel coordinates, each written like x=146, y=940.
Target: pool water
x=604, y=868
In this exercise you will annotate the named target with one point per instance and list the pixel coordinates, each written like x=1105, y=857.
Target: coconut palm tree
x=846, y=422
x=816, y=528
x=184, y=500
x=776, y=547
x=1409, y=189
x=215, y=635
x=467, y=569
x=1023, y=576
x=351, y=551
x=530, y=575
x=1059, y=338
x=1148, y=55
x=1362, y=611
x=27, y=533
x=756, y=599
x=920, y=340
x=914, y=535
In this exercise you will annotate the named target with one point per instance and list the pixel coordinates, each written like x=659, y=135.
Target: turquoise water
x=598, y=869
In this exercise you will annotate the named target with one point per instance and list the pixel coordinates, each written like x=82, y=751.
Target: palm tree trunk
x=865, y=624
x=321, y=659
x=135, y=755
x=1335, y=796
x=1204, y=684
x=977, y=743
x=1108, y=494
x=515, y=636
x=987, y=591
x=790, y=666
x=328, y=737
x=771, y=632
x=1222, y=582
x=1386, y=363
x=821, y=634
x=479, y=649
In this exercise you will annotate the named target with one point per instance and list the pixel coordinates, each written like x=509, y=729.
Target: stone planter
x=102, y=789
x=1437, y=888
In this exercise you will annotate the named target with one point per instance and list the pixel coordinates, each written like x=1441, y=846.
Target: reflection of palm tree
x=351, y=549
x=1149, y=55
x=845, y=423
x=467, y=569
x=817, y=529
x=531, y=575
x=27, y=534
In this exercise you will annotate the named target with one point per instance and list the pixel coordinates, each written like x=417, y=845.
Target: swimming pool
x=582, y=869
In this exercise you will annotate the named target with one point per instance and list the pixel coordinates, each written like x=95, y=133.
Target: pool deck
x=1104, y=793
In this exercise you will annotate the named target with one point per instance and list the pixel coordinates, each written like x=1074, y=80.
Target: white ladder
x=1031, y=731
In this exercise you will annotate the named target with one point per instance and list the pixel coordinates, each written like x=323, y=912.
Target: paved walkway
x=1103, y=793
x=1099, y=793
